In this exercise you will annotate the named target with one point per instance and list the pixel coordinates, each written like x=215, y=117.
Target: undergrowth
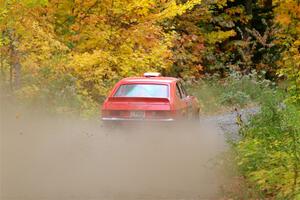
x=236, y=90
x=269, y=151
x=267, y=155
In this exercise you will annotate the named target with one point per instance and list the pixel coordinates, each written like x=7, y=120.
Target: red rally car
x=149, y=98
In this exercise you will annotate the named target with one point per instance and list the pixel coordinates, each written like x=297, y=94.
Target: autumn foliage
x=79, y=49
x=66, y=55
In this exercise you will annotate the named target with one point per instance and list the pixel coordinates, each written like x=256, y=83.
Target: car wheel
x=107, y=126
x=196, y=115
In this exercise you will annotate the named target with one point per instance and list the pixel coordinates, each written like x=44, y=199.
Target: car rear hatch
x=137, y=108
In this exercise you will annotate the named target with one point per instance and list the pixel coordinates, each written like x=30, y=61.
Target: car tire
x=196, y=115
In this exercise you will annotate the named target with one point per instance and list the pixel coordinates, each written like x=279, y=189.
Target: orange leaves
x=283, y=19
x=286, y=12
x=288, y=16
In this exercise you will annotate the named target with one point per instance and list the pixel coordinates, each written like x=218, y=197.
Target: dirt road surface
x=58, y=158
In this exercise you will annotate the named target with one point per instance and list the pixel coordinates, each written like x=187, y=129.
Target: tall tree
x=288, y=18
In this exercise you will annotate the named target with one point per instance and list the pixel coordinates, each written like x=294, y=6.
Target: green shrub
x=56, y=93
x=268, y=154
x=235, y=98
x=236, y=90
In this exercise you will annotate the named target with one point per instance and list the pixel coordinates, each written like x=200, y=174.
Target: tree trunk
x=16, y=67
x=11, y=77
x=268, y=4
x=2, y=61
x=2, y=66
x=248, y=7
x=15, y=71
x=249, y=11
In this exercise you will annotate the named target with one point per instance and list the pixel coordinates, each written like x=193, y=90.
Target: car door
x=182, y=101
x=187, y=101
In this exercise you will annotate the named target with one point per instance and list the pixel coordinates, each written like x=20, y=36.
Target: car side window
x=178, y=92
x=182, y=89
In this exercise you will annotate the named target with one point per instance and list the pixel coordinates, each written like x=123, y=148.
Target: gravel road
x=227, y=121
x=52, y=158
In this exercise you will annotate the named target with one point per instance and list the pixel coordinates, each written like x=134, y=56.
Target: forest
x=65, y=55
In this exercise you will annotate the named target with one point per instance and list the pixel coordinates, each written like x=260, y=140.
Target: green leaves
x=219, y=36
x=269, y=152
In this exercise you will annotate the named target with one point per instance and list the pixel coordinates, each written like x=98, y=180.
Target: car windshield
x=143, y=90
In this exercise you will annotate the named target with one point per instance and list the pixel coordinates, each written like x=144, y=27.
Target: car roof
x=159, y=79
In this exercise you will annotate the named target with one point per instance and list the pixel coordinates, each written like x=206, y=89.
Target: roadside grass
x=237, y=187
x=235, y=91
x=266, y=159
x=58, y=97
x=268, y=154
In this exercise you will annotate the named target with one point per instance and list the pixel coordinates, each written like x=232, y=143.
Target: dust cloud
x=64, y=158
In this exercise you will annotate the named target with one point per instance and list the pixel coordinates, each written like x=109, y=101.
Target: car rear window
x=143, y=90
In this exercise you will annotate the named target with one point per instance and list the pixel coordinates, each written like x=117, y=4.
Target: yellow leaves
x=41, y=41
x=3, y=12
x=88, y=3
x=141, y=8
x=33, y=3
x=127, y=46
x=172, y=9
x=33, y=37
x=91, y=70
x=219, y=36
x=288, y=16
x=287, y=12
x=297, y=42
x=96, y=42
x=221, y=3
x=27, y=92
x=89, y=66
x=290, y=67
